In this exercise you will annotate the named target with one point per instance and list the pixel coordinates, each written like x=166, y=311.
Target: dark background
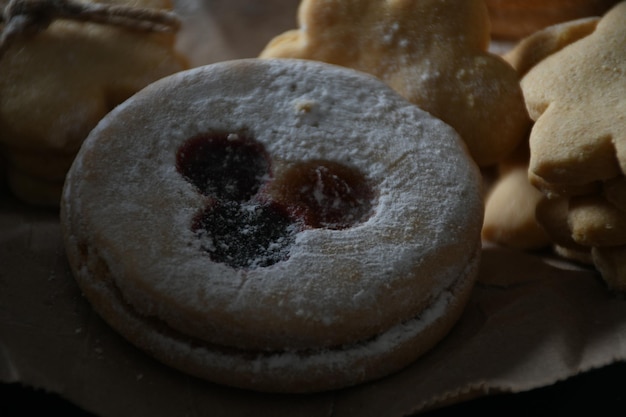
x=601, y=392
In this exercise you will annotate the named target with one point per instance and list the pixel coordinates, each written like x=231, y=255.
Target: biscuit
x=576, y=98
x=278, y=225
x=510, y=206
x=59, y=82
x=594, y=221
x=510, y=217
x=580, y=223
x=551, y=213
x=531, y=50
x=551, y=189
x=578, y=157
x=510, y=213
x=434, y=53
x=611, y=262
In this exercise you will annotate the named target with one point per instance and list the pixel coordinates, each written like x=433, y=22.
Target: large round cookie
x=279, y=225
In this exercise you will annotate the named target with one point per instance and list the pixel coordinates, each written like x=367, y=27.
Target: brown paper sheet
x=530, y=322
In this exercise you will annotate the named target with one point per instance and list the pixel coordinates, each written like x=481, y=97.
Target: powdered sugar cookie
x=574, y=90
x=510, y=215
x=278, y=225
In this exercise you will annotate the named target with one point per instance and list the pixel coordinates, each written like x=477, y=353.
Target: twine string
x=27, y=17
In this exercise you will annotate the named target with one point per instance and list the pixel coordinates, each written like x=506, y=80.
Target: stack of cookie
x=512, y=200
x=574, y=83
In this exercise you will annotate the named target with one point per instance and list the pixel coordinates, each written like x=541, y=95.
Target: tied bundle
x=28, y=17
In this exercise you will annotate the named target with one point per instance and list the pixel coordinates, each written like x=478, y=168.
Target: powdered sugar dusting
x=337, y=285
x=302, y=370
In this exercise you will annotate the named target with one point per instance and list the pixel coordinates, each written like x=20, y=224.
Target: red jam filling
x=326, y=194
x=253, y=218
x=224, y=166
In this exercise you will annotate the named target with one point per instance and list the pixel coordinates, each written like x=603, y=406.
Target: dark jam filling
x=326, y=194
x=253, y=219
x=224, y=166
x=246, y=236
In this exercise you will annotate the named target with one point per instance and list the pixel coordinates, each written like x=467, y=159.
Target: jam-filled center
x=327, y=194
x=252, y=218
x=246, y=235
x=226, y=166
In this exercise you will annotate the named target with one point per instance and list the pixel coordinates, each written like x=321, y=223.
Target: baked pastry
x=510, y=206
x=532, y=49
x=611, y=262
x=574, y=95
x=59, y=81
x=512, y=200
x=516, y=19
x=577, y=157
x=433, y=52
x=277, y=225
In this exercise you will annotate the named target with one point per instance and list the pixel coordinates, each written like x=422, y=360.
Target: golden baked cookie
x=532, y=49
x=577, y=153
x=615, y=192
x=576, y=97
x=552, y=215
x=433, y=52
x=60, y=80
x=510, y=206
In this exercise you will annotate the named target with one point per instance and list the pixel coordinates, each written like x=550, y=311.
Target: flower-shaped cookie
x=59, y=82
x=510, y=217
x=433, y=52
x=510, y=206
x=577, y=98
